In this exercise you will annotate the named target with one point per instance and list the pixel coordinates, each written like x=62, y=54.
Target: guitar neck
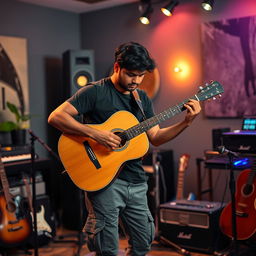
x=252, y=174
x=5, y=183
x=205, y=93
x=26, y=182
x=157, y=119
x=180, y=182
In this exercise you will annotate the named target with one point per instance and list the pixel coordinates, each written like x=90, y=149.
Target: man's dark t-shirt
x=99, y=101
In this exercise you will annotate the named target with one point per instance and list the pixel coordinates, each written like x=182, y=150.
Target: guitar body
x=14, y=228
x=245, y=209
x=78, y=162
x=42, y=225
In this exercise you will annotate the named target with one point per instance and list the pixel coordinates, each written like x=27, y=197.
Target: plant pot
x=5, y=138
x=19, y=137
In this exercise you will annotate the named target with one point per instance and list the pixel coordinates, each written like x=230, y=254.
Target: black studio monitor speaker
x=78, y=70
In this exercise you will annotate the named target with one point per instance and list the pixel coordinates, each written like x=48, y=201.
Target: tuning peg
x=206, y=84
x=219, y=95
x=214, y=98
x=201, y=87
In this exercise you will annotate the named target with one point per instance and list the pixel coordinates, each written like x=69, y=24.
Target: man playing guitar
x=125, y=196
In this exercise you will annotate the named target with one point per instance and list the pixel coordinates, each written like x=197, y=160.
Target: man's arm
x=62, y=119
x=159, y=136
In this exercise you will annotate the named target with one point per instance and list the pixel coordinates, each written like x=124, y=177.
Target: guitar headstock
x=183, y=163
x=209, y=91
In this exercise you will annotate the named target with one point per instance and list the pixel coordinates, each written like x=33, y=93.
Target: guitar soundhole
x=11, y=207
x=123, y=139
x=248, y=189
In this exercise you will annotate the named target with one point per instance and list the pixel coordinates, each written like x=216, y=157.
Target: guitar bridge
x=14, y=229
x=242, y=214
x=91, y=155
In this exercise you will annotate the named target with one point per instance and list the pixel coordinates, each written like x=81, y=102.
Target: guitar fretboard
x=252, y=174
x=211, y=90
x=157, y=119
x=5, y=183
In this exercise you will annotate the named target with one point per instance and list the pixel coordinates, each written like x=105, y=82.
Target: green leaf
x=8, y=126
x=14, y=110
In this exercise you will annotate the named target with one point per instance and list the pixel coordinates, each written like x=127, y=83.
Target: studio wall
x=49, y=33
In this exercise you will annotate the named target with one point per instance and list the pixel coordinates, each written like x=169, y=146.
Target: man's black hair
x=134, y=56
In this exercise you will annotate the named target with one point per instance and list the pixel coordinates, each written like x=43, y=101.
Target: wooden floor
x=63, y=247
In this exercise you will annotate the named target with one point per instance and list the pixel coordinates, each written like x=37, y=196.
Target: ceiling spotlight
x=208, y=5
x=147, y=10
x=169, y=8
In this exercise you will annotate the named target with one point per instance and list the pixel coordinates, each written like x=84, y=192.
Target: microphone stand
x=44, y=145
x=80, y=241
x=232, y=187
x=34, y=203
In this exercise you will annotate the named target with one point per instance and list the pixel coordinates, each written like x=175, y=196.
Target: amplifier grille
x=184, y=218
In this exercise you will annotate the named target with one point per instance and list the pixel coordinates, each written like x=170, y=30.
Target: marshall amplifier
x=243, y=141
x=193, y=225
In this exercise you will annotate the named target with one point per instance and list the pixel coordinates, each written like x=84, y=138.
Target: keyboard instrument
x=17, y=167
x=13, y=154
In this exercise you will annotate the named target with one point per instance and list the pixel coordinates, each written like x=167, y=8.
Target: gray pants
x=129, y=203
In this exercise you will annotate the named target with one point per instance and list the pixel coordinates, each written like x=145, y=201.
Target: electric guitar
x=92, y=166
x=43, y=228
x=14, y=225
x=183, y=165
x=245, y=207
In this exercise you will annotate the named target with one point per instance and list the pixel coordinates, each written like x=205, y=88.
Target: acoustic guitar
x=92, y=166
x=14, y=224
x=245, y=202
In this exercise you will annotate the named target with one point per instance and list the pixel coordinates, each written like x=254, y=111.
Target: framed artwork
x=229, y=57
x=13, y=76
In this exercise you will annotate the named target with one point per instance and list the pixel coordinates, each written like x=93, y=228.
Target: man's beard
x=127, y=87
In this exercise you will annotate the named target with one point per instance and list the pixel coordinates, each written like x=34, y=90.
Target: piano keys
x=16, y=153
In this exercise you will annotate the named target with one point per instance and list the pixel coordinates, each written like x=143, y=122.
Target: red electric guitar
x=245, y=207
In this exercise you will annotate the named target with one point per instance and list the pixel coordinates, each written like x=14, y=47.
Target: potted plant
x=18, y=127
